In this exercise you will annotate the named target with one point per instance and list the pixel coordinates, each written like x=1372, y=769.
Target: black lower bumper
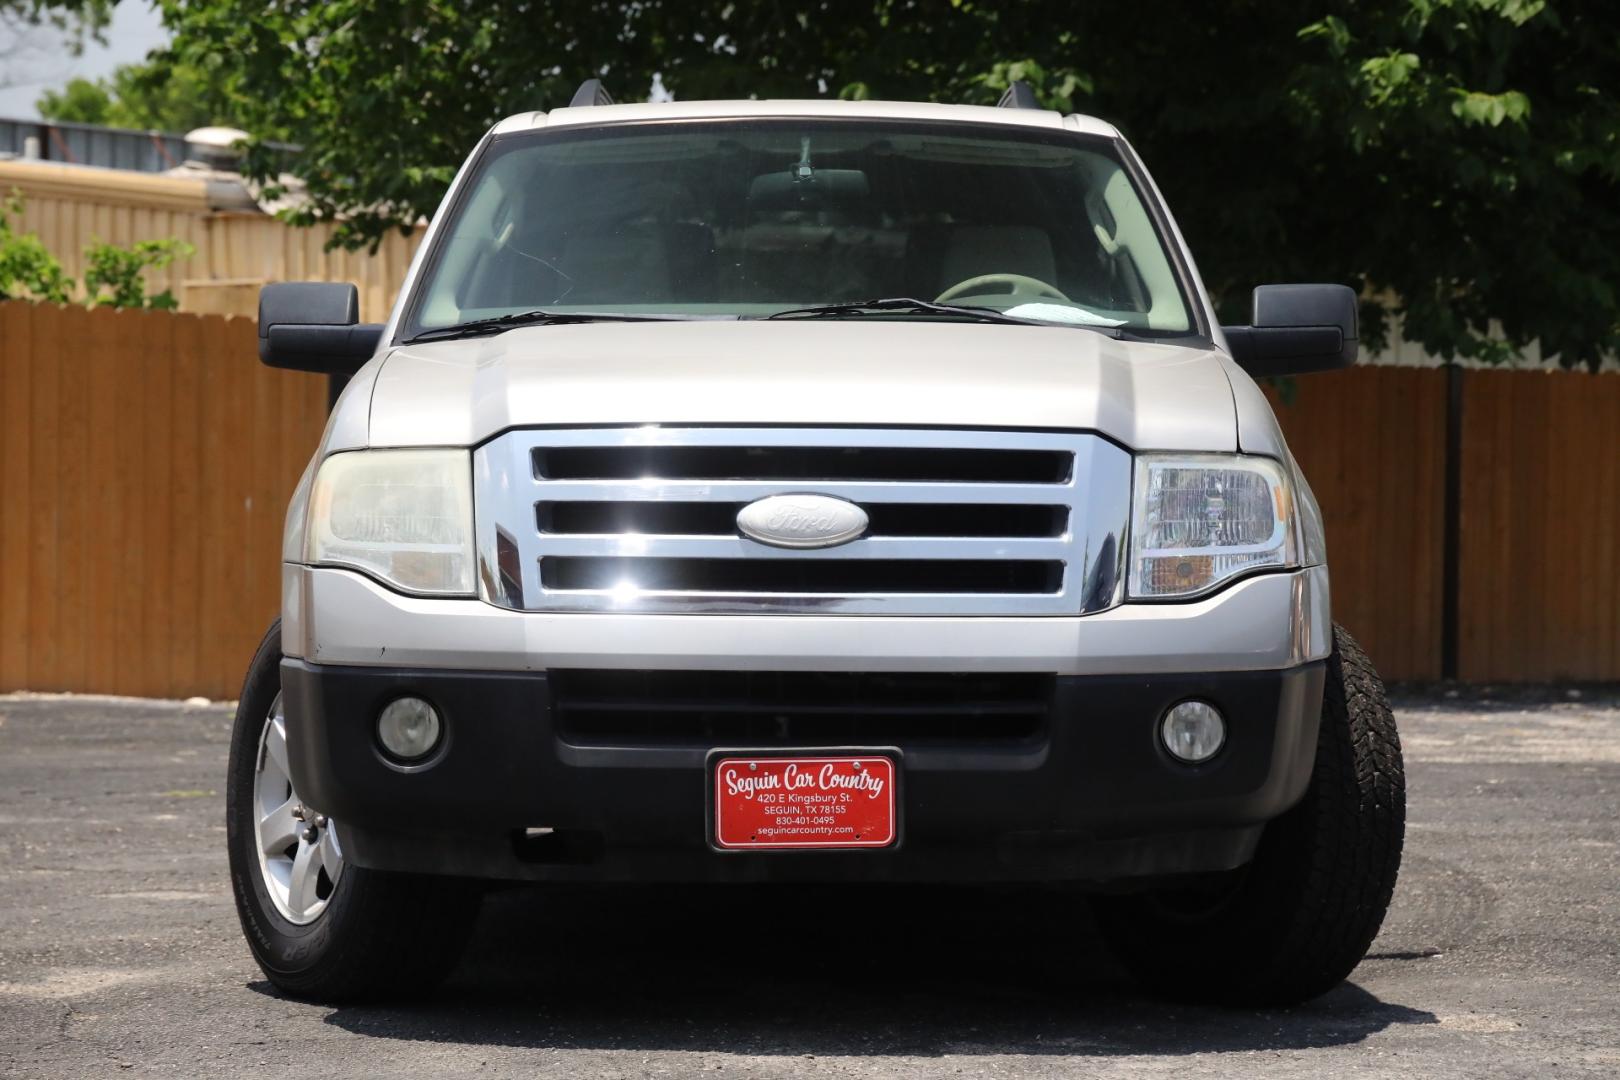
x=1093, y=797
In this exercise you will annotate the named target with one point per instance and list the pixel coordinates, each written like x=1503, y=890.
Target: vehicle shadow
x=827, y=972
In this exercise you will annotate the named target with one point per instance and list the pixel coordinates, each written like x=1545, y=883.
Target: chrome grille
x=644, y=519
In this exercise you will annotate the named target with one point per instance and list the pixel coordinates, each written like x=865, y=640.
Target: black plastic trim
x=308, y=303
x=590, y=92
x=314, y=326
x=1297, y=329
x=1096, y=800
x=327, y=350
x=1018, y=95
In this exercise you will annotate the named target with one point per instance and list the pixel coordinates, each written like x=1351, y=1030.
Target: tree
x=81, y=101
x=78, y=19
x=1457, y=159
x=173, y=97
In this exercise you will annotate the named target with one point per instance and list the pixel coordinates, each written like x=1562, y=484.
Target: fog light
x=408, y=728
x=1193, y=731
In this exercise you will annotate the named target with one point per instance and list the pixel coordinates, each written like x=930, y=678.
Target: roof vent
x=590, y=92
x=215, y=147
x=1019, y=95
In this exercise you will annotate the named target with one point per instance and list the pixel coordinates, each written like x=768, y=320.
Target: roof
x=817, y=107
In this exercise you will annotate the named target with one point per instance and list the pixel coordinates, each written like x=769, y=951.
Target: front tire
x=1297, y=920
x=320, y=928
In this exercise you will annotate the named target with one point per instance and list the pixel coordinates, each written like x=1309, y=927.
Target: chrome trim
x=1264, y=623
x=802, y=521
x=506, y=490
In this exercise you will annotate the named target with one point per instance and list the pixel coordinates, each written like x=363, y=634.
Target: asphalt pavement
x=120, y=953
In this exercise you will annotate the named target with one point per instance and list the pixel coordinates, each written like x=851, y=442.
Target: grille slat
x=645, y=520
x=720, y=519
x=790, y=577
x=912, y=464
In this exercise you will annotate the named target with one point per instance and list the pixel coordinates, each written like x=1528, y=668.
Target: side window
x=1141, y=274
x=467, y=249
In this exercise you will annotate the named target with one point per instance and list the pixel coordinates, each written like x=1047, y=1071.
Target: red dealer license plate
x=804, y=802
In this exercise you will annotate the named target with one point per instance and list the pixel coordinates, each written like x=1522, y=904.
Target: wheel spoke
x=301, y=881
x=293, y=881
x=279, y=828
x=331, y=857
x=275, y=744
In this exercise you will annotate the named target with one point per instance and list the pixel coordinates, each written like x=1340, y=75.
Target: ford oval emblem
x=802, y=521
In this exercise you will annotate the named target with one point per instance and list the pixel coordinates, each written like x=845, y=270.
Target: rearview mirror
x=1297, y=329
x=314, y=326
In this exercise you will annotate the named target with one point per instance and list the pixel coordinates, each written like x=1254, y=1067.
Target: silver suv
x=820, y=491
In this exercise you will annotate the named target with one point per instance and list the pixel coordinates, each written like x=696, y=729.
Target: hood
x=848, y=372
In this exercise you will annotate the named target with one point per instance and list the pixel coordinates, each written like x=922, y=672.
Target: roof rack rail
x=1019, y=95
x=590, y=92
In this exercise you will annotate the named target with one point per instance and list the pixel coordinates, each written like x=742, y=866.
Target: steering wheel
x=1016, y=283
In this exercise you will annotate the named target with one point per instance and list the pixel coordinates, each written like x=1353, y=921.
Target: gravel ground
x=120, y=953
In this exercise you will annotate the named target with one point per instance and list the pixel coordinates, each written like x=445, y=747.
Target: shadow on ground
x=826, y=972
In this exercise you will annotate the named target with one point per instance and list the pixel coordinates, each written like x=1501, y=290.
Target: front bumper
x=1094, y=798
x=1271, y=622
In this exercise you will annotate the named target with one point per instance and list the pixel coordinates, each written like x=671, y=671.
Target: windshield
x=748, y=218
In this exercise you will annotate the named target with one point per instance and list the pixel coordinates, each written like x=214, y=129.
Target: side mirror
x=314, y=326
x=1298, y=329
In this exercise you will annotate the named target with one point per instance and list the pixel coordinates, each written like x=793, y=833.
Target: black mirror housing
x=1296, y=329
x=314, y=326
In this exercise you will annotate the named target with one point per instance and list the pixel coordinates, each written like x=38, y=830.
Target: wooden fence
x=1372, y=444
x=146, y=459
x=1539, y=517
x=1540, y=556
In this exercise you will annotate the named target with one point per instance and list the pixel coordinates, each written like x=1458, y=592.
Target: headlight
x=404, y=516
x=1198, y=520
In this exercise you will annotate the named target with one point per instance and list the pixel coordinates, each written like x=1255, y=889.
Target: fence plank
x=16, y=467
x=187, y=537
x=219, y=468
x=156, y=619
x=123, y=544
x=65, y=341
x=44, y=506
x=97, y=605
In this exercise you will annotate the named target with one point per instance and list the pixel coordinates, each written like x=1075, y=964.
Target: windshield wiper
x=502, y=323
x=924, y=307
